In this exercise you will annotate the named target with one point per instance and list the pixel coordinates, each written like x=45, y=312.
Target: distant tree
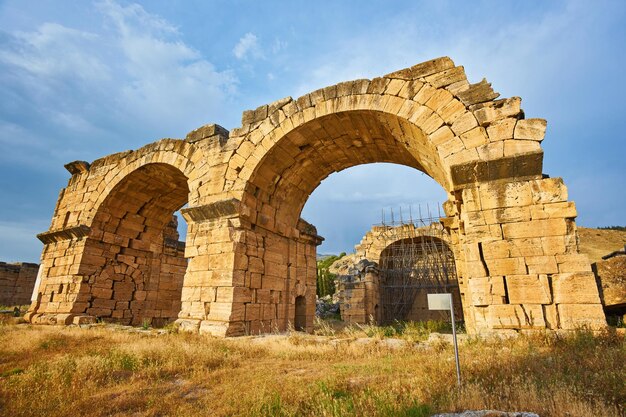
x=622, y=228
x=325, y=279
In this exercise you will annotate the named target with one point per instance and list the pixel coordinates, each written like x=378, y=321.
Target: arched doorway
x=133, y=264
x=410, y=269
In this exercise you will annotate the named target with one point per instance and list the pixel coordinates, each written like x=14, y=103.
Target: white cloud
x=136, y=71
x=248, y=45
x=54, y=50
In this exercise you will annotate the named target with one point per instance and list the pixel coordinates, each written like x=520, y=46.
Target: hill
x=596, y=243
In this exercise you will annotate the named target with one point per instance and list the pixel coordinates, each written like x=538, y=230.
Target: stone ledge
x=519, y=166
x=219, y=209
x=70, y=233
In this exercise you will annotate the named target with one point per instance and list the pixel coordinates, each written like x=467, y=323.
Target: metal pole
x=456, y=346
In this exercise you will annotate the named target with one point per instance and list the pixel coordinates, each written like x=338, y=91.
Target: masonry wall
x=17, y=281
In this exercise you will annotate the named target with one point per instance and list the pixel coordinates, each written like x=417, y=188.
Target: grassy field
x=98, y=371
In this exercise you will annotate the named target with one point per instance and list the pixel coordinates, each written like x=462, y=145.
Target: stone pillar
x=214, y=291
x=521, y=259
x=56, y=299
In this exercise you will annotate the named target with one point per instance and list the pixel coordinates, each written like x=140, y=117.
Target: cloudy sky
x=79, y=80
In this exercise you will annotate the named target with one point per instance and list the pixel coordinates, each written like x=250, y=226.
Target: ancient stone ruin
x=250, y=261
x=393, y=270
x=17, y=281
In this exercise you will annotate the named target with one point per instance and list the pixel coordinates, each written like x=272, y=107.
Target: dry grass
x=103, y=371
x=596, y=243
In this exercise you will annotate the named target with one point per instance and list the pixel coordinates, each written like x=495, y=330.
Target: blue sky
x=79, y=80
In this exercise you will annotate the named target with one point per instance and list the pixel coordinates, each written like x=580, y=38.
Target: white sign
x=444, y=302
x=439, y=301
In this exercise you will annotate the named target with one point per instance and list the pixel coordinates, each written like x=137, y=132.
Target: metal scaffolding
x=416, y=260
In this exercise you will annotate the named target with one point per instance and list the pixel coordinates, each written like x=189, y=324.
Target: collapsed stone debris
x=249, y=260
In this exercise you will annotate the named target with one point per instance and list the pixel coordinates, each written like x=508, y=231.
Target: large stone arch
x=513, y=225
x=112, y=237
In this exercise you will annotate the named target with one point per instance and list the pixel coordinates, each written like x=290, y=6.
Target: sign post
x=444, y=302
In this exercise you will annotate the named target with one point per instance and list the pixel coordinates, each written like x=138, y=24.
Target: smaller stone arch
x=393, y=268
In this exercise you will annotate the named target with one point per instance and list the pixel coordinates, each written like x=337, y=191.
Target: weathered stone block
x=535, y=228
x=486, y=291
x=530, y=129
x=515, y=316
x=573, y=263
x=545, y=264
x=528, y=289
x=576, y=316
x=507, y=266
x=575, y=288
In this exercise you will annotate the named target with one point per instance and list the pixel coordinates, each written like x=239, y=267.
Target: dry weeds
x=103, y=371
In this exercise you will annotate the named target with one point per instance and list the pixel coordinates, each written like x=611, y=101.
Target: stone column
x=522, y=263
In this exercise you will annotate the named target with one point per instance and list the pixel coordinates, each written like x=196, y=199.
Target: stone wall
x=17, y=281
x=518, y=261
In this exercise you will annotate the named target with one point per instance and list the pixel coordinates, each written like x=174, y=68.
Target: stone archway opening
x=410, y=269
x=287, y=175
x=133, y=264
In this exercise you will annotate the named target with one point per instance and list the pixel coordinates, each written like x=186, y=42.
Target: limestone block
x=474, y=138
x=450, y=147
x=439, y=99
x=575, y=316
x=486, y=290
x=573, y=262
x=507, y=266
x=475, y=269
x=507, y=215
x=516, y=316
x=484, y=233
x=452, y=111
x=526, y=247
x=490, y=112
x=501, y=130
x=575, y=288
x=441, y=135
x=461, y=157
x=491, y=151
x=551, y=315
x=464, y=123
x=548, y=190
x=530, y=129
x=611, y=275
x=528, y=289
x=515, y=194
x=553, y=245
x=497, y=249
x=410, y=89
x=446, y=77
x=471, y=199
x=545, y=264
x=565, y=209
x=535, y=228
x=517, y=146
x=262, y=296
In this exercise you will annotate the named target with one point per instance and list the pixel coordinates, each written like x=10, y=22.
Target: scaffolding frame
x=416, y=258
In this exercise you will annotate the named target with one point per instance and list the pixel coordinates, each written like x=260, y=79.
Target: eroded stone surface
x=250, y=260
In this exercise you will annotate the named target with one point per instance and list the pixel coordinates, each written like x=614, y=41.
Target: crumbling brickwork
x=17, y=281
x=249, y=257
